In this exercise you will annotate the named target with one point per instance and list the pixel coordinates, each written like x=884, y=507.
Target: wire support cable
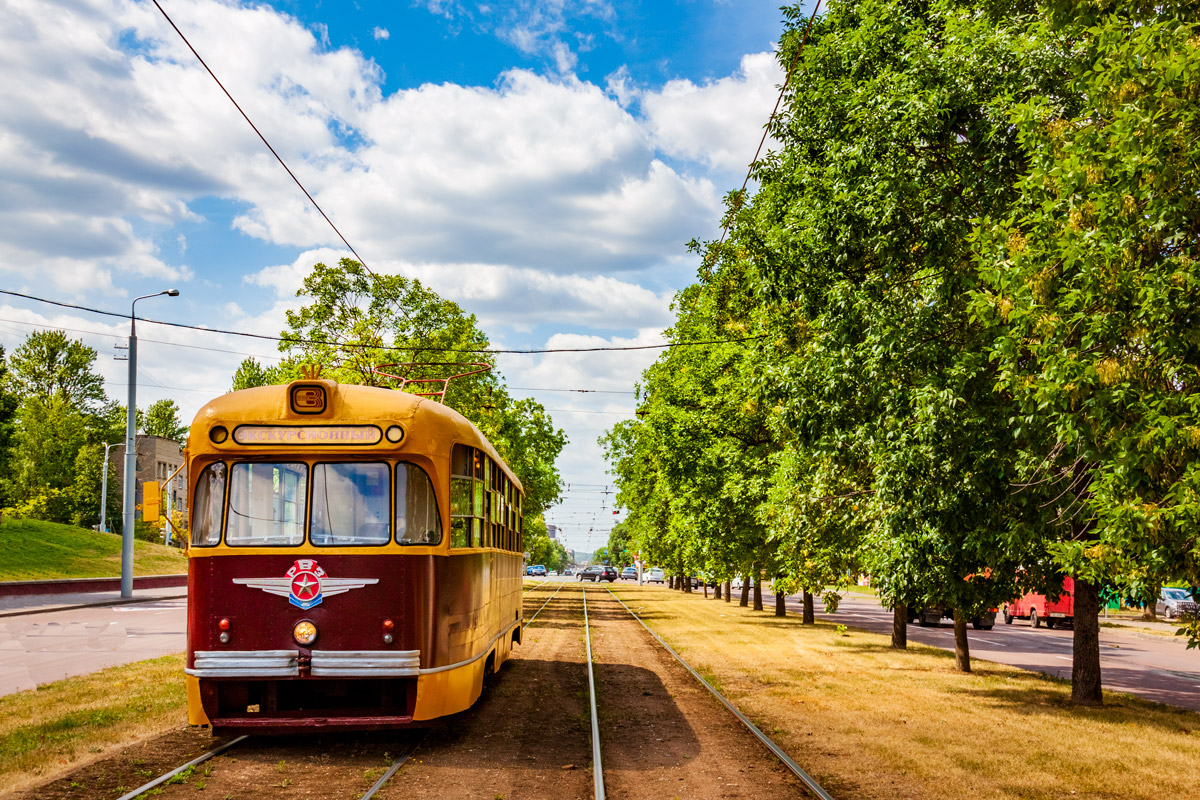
x=737, y=203
x=364, y=346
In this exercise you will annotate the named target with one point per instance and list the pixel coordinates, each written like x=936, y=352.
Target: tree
x=162, y=419
x=48, y=364
x=357, y=320
x=52, y=431
x=1092, y=286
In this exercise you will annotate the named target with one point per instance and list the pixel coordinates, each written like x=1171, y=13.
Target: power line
x=409, y=348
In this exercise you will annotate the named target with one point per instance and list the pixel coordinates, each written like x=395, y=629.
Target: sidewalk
x=21, y=605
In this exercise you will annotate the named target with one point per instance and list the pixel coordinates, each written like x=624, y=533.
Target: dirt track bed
x=529, y=735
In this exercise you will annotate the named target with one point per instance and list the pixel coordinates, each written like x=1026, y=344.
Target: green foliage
x=162, y=419
x=49, y=365
x=357, y=320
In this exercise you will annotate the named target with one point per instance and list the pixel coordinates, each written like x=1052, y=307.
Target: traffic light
x=151, y=502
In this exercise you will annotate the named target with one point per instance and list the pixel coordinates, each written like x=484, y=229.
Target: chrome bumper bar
x=325, y=664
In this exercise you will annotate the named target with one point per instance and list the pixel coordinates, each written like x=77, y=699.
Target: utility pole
x=130, y=487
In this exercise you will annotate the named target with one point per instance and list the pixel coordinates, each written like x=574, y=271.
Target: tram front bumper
x=322, y=664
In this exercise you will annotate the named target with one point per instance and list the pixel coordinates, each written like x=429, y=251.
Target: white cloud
x=381, y=34
x=718, y=123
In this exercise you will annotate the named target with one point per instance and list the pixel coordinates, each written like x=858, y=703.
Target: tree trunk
x=687, y=584
x=717, y=591
x=745, y=601
x=900, y=626
x=962, y=650
x=728, y=592
x=1150, y=612
x=780, y=608
x=810, y=617
x=758, y=606
x=1085, y=663
x=670, y=581
x=704, y=583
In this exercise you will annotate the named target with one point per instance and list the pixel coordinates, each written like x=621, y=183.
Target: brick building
x=157, y=458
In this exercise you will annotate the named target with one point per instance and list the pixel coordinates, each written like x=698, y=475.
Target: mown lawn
x=36, y=550
x=49, y=730
x=872, y=722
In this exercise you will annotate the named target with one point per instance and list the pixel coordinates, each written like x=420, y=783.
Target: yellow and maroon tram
x=354, y=559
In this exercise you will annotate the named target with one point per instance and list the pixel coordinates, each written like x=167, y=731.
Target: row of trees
x=55, y=419
x=960, y=320
x=355, y=320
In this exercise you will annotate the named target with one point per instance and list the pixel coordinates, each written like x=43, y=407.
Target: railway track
x=621, y=705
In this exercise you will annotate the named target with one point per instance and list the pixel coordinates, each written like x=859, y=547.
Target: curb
x=83, y=585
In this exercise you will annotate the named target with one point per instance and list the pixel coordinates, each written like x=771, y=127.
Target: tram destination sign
x=308, y=435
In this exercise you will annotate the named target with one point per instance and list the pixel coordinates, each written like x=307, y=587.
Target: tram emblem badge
x=306, y=584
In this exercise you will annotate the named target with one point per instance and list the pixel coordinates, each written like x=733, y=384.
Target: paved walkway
x=45, y=638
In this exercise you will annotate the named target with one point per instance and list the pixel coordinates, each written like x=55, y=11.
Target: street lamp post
x=104, y=488
x=131, y=451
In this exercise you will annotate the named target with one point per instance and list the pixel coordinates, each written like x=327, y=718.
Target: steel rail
x=531, y=588
x=216, y=751
x=400, y=762
x=548, y=599
x=597, y=769
x=805, y=778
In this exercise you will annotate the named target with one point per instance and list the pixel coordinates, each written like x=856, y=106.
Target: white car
x=654, y=574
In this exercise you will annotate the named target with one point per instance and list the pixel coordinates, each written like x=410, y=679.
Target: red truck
x=1039, y=608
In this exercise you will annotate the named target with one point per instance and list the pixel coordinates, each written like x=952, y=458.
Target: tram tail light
x=223, y=627
x=388, y=626
x=223, y=624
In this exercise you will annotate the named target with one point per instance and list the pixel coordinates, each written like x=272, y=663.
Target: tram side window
x=418, y=520
x=350, y=504
x=462, y=496
x=267, y=503
x=207, y=506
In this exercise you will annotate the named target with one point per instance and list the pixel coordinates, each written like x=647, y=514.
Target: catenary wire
x=414, y=348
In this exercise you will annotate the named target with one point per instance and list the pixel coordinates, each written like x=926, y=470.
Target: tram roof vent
x=413, y=371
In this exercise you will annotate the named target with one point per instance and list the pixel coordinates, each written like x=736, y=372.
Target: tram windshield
x=350, y=504
x=266, y=504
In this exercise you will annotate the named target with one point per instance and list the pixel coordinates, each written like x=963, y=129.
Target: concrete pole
x=130, y=486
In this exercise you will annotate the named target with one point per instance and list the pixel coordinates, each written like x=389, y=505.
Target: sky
x=542, y=163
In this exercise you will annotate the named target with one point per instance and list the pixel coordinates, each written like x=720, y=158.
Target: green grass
x=33, y=550
x=48, y=730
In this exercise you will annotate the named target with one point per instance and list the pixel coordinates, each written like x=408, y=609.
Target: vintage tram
x=354, y=559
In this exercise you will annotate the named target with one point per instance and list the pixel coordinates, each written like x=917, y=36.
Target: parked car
x=610, y=574
x=629, y=572
x=529, y=570
x=538, y=570
x=655, y=575
x=931, y=616
x=568, y=571
x=1039, y=608
x=1174, y=603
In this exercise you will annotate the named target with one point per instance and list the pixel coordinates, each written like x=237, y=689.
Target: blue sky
x=540, y=162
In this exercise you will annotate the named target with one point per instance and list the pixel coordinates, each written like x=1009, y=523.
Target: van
x=1039, y=608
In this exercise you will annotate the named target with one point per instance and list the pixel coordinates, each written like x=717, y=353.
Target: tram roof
x=346, y=403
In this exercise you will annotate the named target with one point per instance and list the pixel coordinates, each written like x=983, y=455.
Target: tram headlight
x=218, y=434
x=394, y=434
x=304, y=633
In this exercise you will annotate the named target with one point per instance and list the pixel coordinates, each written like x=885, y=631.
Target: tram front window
x=350, y=504
x=417, y=517
x=266, y=504
x=206, y=508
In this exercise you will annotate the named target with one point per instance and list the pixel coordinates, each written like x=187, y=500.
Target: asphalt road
x=1132, y=659
x=47, y=645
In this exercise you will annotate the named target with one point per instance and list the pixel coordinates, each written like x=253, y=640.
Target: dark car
x=593, y=573
x=629, y=573
x=597, y=572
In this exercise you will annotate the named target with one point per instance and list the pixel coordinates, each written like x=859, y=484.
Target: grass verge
x=32, y=550
x=871, y=722
x=52, y=729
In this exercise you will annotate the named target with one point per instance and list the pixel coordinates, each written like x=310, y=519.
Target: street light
x=104, y=488
x=131, y=450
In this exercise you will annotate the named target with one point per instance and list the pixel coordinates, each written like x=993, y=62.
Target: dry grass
x=871, y=722
x=59, y=726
